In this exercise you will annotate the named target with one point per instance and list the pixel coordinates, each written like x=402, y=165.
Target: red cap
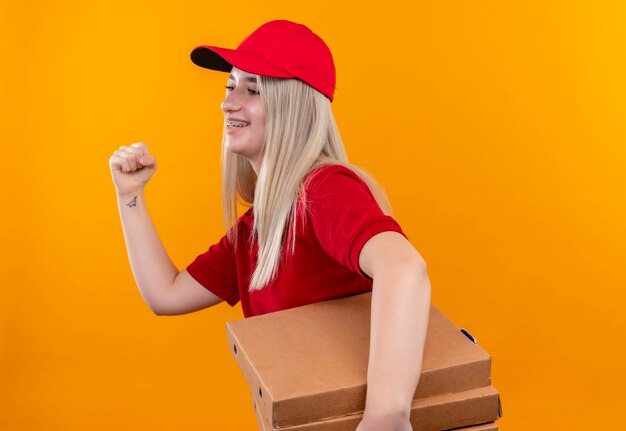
x=278, y=49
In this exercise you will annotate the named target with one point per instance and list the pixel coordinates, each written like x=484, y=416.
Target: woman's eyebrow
x=251, y=79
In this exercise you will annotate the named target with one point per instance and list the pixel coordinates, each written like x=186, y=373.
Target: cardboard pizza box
x=461, y=410
x=491, y=426
x=309, y=363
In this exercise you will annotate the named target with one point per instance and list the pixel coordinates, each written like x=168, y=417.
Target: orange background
x=497, y=129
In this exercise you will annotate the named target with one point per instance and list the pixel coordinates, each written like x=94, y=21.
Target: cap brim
x=223, y=60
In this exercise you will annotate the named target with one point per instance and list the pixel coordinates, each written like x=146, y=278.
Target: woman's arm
x=165, y=290
x=400, y=307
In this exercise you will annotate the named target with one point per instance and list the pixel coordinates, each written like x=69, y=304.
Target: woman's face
x=244, y=115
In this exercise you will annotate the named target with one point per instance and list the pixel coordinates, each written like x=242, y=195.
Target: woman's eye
x=251, y=91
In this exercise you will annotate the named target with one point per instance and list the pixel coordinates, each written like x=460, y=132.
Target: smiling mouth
x=231, y=124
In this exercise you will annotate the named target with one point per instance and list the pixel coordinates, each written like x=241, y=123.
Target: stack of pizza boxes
x=307, y=370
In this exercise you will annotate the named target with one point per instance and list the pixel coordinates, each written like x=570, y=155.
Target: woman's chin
x=232, y=148
x=235, y=150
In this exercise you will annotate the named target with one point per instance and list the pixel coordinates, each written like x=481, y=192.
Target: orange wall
x=496, y=127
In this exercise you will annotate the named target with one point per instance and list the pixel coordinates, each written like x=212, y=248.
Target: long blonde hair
x=300, y=134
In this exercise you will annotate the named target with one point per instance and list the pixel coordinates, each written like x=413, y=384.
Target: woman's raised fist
x=131, y=168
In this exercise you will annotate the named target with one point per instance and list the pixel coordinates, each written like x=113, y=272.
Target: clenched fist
x=131, y=168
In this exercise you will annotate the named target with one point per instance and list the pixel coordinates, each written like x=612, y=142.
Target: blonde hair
x=300, y=134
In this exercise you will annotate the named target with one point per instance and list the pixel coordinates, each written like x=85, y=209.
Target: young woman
x=318, y=228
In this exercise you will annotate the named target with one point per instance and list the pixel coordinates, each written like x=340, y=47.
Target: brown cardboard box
x=491, y=426
x=462, y=409
x=309, y=364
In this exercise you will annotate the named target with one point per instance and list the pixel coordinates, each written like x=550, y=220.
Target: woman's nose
x=230, y=102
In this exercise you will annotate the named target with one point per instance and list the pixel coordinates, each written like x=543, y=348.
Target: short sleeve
x=216, y=270
x=344, y=214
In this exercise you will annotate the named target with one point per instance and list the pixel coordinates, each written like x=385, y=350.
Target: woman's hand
x=131, y=168
x=384, y=423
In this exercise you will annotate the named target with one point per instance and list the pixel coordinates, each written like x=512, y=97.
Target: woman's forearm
x=399, y=320
x=400, y=308
x=152, y=268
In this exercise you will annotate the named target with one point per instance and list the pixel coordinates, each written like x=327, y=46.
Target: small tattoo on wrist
x=132, y=203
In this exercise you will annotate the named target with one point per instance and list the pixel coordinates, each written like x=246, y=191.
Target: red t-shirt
x=341, y=216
